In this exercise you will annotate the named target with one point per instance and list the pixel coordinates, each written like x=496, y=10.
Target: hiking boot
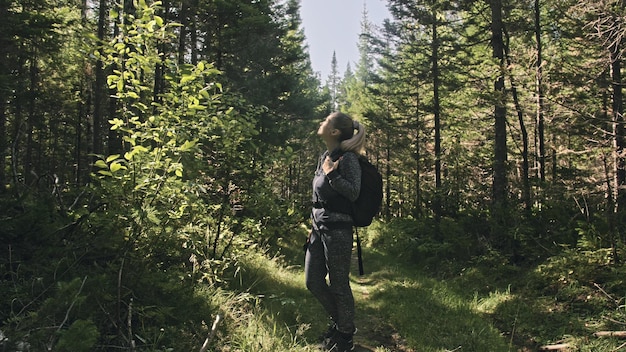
x=324, y=339
x=340, y=342
x=332, y=329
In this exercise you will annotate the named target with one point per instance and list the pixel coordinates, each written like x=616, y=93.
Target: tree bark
x=30, y=165
x=5, y=71
x=437, y=117
x=182, y=39
x=619, y=142
x=194, y=32
x=500, y=146
x=526, y=194
x=418, y=186
x=541, y=152
x=3, y=141
x=99, y=86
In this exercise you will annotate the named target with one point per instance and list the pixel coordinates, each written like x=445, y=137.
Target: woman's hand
x=329, y=165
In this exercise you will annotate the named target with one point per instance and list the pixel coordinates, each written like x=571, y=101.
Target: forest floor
x=375, y=333
x=406, y=307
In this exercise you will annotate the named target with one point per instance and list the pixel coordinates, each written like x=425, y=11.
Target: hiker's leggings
x=329, y=252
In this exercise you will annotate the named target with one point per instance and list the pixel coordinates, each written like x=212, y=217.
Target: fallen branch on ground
x=205, y=345
x=621, y=334
x=557, y=347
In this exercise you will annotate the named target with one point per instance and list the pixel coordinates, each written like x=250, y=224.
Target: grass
x=402, y=307
x=427, y=313
x=396, y=308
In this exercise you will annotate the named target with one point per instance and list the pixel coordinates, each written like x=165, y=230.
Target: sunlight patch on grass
x=490, y=303
x=273, y=310
x=427, y=313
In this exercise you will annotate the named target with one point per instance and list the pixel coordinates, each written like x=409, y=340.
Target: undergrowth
x=481, y=301
x=455, y=293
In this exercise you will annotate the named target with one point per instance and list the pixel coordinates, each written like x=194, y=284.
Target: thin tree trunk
x=526, y=196
x=19, y=122
x=541, y=152
x=3, y=140
x=184, y=21
x=437, y=117
x=4, y=96
x=388, y=178
x=619, y=142
x=194, y=32
x=499, y=210
x=418, y=186
x=30, y=166
x=500, y=147
x=99, y=86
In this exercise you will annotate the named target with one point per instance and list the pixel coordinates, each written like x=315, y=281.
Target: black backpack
x=367, y=205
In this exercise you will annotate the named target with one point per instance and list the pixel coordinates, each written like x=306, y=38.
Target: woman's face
x=327, y=131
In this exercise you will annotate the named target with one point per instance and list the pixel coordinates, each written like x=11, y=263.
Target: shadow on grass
x=421, y=310
x=402, y=308
x=529, y=323
x=282, y=293
x=529, y=317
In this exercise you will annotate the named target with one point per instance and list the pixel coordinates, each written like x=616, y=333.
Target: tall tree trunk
x=3, y=139
x=619, y=145
x=182, y=39
x=30, y=166
x=418, y=186
x=499, y=211
x=20, y=122
x=193, y=30
x=437, y=116
x=5, y=71
x=388, y=178
x=99, y=87
x=500, y=147
x=541, y=152
x=619, y=142
x=526, y=196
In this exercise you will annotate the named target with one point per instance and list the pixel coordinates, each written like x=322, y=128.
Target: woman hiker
x=336, y=185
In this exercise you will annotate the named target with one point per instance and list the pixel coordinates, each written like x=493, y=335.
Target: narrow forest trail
x=374, y=332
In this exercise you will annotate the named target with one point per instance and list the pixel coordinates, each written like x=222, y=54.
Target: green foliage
x=416, y=241
x=80, y=336
x=207, y=164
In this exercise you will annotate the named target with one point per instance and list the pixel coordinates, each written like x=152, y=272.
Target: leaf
x=186, y=78
x=188, y=145
x=179, y=172
x=101, y=164
x=112, y=157
x=116, y=123
x=113, y=13
x=159, y=21
x=205, y=94
x=111, y=79
x=115, y=166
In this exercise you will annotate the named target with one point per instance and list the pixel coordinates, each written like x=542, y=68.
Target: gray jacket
x=334, y=193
